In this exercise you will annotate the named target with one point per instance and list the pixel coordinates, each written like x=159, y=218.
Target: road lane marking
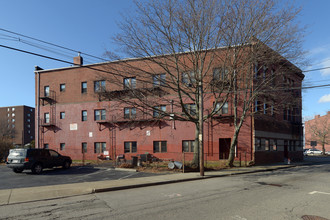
x=315, y=192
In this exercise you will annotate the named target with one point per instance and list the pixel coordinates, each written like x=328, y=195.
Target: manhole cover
x=313, y=217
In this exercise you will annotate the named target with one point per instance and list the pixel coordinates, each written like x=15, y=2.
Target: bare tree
x=207, y=49
x=6, y=138
x=319, y=131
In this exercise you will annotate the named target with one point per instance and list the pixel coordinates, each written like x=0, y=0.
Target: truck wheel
x=37, y=168
x=17, y=170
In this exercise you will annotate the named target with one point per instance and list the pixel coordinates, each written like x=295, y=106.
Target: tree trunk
x=233, y=144
x=195, y=161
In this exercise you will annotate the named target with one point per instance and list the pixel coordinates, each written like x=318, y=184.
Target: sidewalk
x=21, y=195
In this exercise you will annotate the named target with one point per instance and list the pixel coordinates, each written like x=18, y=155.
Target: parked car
x=312, y=152
x=36, y=159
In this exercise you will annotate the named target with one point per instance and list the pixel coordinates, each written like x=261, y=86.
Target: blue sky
x=87, y=26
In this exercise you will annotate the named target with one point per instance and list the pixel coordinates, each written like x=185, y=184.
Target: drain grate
x=313, y=217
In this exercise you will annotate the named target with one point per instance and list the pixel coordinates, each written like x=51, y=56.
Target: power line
x=71, y=63
x=55, y=45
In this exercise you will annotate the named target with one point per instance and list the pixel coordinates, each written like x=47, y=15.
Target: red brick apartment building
x=318, y=130
x=73, y=119
x=21, y=118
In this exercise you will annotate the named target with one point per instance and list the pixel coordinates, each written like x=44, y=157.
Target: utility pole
x=200, y=124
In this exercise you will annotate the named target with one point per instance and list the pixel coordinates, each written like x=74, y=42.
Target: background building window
x=188, y=146
x=223, y=110
x=62, y=87
x=190, y=108
x=257, y=144
x=46, y=146
x=158, y=80
x=84, y=115
x=84, y=147
x=62, y=146
x=99, y=147
x=267, y=145
x=62, y=115
x=99, y=114
x=129, y=113
x=130, y=83
x=160, y=146
x=84, y=87
x=130, y=147
x=188, y=78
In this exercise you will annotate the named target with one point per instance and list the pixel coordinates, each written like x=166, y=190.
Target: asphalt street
x=76, y=174
x=282, y=194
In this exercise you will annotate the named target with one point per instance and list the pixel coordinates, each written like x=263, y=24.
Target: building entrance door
x=286, y=153
x=224, y=147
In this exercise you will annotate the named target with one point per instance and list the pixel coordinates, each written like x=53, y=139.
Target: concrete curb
x=32, y=194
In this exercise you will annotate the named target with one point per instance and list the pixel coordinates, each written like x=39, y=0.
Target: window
x=46, y=146
x=158, y=80
x=190, y=108
x=265, y=107
x=159, y=111
x=53, y=153
x=8, y=109
x=188, y=146
x=220, y=74
x=273, y=145
x=130, y=147
x=267, y=145
x=99, y=114
x=62, y=146
x=84, y=147
x=62, y=115
x=257, y=144
x=257, y=106
x=130, y=83
x=223, y=110
x=62, y=87
x=160, y=146
x=99, y=147
x=188, y=78
x=13, y=115
x=28, y=126
x=256, y=70
x=46, y=91
x=264, y=73
x=46, y=118
x=84, y=87
x=28, y=120
x=29, y=115
x=29, y=132
x=84, y=115
x=13, y=109
x=99, y=86
x=13, y=120
x=129, y=113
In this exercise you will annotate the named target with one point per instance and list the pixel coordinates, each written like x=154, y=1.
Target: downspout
x=38, y=106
